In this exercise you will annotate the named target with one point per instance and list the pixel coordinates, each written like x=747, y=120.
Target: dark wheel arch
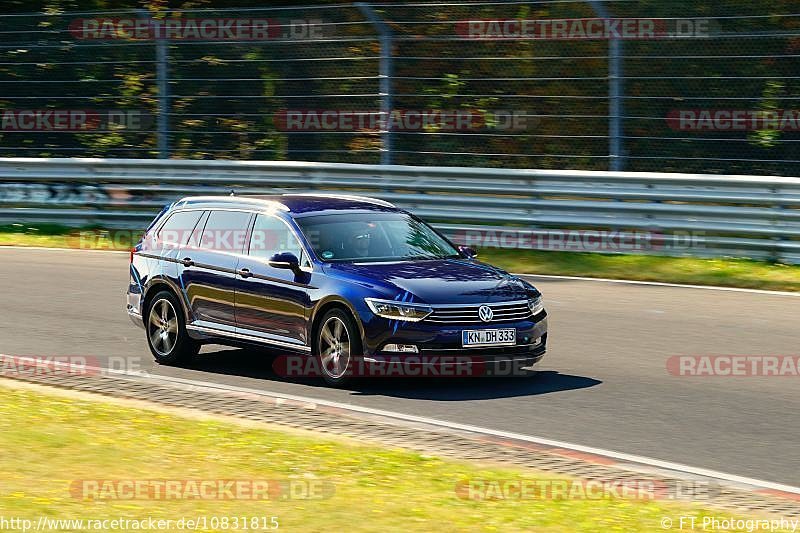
x=323, y=308
x=160, y=285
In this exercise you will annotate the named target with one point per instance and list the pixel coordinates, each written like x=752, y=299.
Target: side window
x=271, y=236
x=179, y=227
x=225, y=231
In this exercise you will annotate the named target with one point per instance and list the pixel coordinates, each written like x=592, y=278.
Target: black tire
x=337, y=371
x=165, y=328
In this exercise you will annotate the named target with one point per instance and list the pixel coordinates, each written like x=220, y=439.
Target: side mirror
x=467, y=252
x=285, y=260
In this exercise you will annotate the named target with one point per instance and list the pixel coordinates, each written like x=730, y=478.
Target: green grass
x=51, y=439
x=55, y=236
x=726, y=272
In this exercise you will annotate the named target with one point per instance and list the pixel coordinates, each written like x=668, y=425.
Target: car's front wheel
x=337, y=343
x=166, y=331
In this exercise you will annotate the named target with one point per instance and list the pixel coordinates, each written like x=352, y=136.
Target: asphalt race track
x=604, y=382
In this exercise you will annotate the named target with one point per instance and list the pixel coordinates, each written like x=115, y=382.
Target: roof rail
x=234, y=199
x=368, y=199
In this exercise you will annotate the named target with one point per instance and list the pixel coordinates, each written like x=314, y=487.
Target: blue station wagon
x=347, y=282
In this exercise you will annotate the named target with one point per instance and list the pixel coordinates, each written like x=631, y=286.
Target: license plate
x=489, y=337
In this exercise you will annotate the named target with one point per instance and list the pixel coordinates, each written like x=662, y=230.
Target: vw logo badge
x=485, y=313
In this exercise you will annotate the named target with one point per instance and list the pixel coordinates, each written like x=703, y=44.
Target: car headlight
x=536, y=305
x=398, y=310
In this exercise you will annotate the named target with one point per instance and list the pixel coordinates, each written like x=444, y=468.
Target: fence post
x=385, y=75
x=615, y=94
x=162, y=82
x=162, y=74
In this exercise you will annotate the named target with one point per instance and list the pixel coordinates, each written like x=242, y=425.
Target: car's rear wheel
x=337, y=344
x=166, y=331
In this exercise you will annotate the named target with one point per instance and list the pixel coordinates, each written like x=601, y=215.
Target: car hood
x=445, y=281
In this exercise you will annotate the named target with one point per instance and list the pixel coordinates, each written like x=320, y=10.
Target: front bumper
x=510, y=361
x=441, y=344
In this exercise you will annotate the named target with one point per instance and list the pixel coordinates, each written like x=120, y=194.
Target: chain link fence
x=618, y=85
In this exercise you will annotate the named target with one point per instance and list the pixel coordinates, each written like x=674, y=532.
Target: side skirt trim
x=252, y=338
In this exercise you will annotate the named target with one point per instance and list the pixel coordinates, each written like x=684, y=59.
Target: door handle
x=245, y=272
x=187, y=262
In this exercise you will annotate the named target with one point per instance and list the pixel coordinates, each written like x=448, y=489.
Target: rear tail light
x=133, y=251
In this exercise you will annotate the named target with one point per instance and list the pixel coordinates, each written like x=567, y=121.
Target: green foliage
x=225, y=96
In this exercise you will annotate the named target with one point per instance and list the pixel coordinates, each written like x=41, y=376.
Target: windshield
x=369, y=237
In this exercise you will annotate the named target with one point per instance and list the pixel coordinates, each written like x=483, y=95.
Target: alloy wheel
x=162, y=327
x=334, y=347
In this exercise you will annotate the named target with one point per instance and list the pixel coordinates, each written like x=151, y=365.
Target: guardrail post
x=385, y=76
x=778, y=255
x=616, y=161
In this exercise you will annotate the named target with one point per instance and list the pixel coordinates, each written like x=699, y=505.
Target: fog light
x=401, y=348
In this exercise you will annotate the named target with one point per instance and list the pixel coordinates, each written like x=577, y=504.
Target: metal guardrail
x=689, y=214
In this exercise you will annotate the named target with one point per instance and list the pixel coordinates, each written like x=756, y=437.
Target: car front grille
x=468, y=314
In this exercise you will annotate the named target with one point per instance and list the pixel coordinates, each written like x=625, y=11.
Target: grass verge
x=727, y=272
x=53, y=438
x=686, y=270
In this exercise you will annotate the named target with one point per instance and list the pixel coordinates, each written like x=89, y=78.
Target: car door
x=273, y=303
x=208, y=265
x=165, y=244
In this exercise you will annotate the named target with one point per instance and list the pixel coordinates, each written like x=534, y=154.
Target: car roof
x=294, y=204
